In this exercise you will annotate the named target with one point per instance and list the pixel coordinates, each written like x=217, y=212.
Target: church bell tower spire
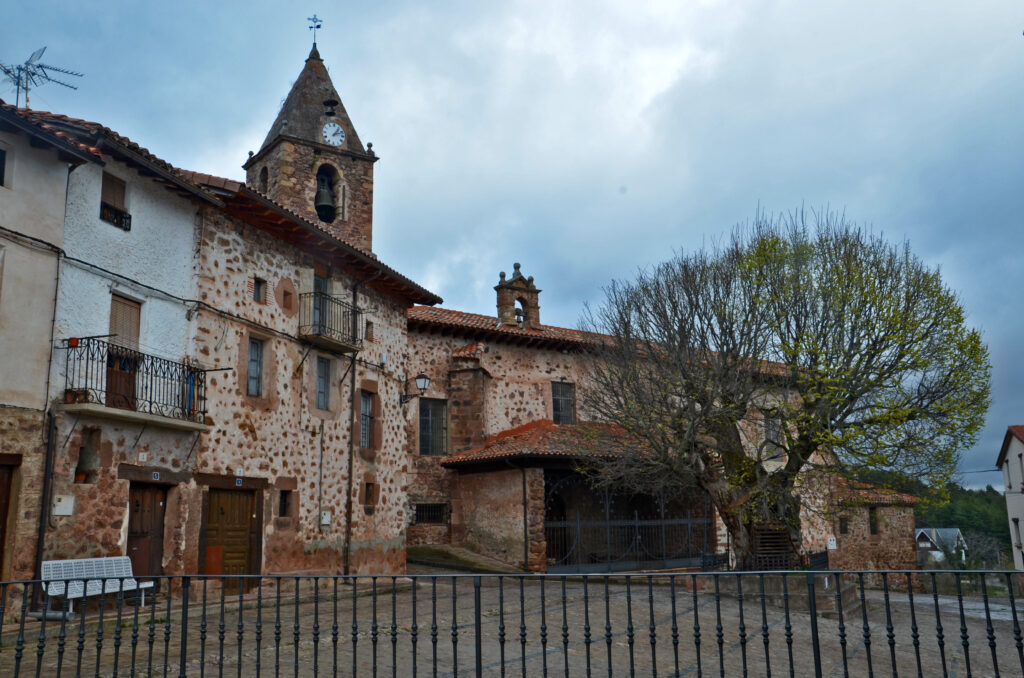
x=312, y=160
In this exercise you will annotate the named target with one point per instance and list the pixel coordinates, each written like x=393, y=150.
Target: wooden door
x=231, y=531
x=6, y=474
x=146, y=504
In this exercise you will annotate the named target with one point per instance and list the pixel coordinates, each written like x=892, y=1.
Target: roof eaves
x=424, y=295
x=57, y=140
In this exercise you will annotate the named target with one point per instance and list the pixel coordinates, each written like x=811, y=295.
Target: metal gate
x=599, y=538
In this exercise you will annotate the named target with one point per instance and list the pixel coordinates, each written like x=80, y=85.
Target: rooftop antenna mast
x=34, y=74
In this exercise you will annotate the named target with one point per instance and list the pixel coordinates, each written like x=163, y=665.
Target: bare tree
x=790, y=346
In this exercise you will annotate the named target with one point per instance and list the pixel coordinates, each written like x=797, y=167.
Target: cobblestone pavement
x=529, y=627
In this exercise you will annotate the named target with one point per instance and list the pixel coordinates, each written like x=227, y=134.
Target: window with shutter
x=124, y=321
x=112, y=202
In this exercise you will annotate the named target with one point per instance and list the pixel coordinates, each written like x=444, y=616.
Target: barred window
x=323, y=383
x=254, y=385
x=366, y=420
x=433, y=427
x=431, y=514
x=563, y=402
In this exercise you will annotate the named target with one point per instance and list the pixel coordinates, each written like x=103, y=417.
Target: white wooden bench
x=85, y=577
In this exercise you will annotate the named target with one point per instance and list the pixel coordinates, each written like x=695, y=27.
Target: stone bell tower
x=312, y=161
x=521, y=291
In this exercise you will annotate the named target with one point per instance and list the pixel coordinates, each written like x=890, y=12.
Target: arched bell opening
x=325, y=202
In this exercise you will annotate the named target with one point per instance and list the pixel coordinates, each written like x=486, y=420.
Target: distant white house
x=1011, y=463
x=933, y=543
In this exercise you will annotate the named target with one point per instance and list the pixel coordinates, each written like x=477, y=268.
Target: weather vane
x=315, y=22
x=33, y=74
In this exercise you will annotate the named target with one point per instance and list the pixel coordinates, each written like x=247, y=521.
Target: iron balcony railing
x=689, y=624
x=116, y=216
x=98, y=371
x=330, y=322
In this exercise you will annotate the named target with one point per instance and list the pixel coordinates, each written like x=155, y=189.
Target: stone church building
x=237, y=384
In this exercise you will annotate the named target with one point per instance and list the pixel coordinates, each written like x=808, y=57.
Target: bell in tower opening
x=324, y=202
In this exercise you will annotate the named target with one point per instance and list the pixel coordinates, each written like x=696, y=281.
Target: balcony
x=116, y=216
x=121, y=383
x=330, y=323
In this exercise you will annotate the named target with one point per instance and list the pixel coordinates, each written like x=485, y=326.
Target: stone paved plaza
x=646, y=628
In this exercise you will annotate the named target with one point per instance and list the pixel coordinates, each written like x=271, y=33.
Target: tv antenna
x=34, y=74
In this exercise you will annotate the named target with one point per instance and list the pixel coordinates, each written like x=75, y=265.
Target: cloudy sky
x=586, y=139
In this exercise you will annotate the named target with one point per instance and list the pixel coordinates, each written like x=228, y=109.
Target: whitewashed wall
x=1013, y=476
x=31, y=202
x=158, y=252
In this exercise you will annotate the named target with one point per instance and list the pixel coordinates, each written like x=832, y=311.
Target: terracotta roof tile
x=543, y=438
x=92, y=136
x=469, y=351
x=46, y=128
x=856, y=492
x=243, y=192
x=433, y=316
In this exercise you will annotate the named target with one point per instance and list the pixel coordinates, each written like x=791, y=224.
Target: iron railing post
x=184, y=624
x=813, y=610
x=478, y=641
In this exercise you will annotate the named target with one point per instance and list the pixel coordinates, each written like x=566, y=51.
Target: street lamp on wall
x=422, y=383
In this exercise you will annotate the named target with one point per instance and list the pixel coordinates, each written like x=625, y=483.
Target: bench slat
x=83, y=577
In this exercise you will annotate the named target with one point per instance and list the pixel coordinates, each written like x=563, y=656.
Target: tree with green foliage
x=799, y=343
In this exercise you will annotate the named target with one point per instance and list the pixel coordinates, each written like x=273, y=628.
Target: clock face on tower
x=334, y=134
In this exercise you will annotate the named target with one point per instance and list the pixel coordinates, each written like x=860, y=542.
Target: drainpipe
x=351, y=432
x=44, y=500
x=526, y=519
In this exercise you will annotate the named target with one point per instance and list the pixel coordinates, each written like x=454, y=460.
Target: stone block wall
x=291, y=170
x=21, y=445
x=281, y=437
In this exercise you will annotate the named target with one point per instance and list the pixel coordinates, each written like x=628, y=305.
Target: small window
x=370, y=494
x=254, y=381
x=366, y=440
x=431, y=514
x=112, y=202
x=433, y=427
x=323, y=383
x=563, y=402
x=259, y=290
x=844, y=525
x=264, y=180
x=284, y=503
x=369, y=330
x=3, y=167
x=873, y=519
x=286, y=300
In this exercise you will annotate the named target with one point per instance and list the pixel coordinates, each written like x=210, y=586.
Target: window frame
x=254, y=381
x=429, y=446
x=429, y=509
x=366, y=419
x=3, y=167
x=259, y=290
x=323, y=383
x=844, y=525
x=873, y=524
x=559, y=415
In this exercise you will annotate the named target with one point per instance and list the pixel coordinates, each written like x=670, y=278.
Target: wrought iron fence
x=621, y=545
x=724, y=624
x=97, y=371
x=322, y=316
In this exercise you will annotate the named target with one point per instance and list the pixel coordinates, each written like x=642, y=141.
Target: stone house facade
x=228, y=383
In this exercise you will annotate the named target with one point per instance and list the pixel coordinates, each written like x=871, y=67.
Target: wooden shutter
x=124, y=321
x=113, y=191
